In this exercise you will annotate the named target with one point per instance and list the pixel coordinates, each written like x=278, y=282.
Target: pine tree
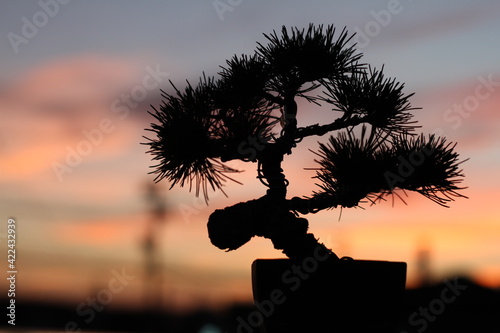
x=249, y=113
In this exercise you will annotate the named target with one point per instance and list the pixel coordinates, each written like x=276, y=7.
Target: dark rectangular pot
x=320, y=295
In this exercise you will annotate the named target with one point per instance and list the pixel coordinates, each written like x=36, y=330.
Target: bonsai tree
x=249, y=113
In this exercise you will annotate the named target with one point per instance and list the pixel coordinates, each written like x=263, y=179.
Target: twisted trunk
x=287, y=231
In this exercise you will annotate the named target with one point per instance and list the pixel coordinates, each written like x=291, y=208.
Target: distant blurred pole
x=424, y=270
x=153, y=279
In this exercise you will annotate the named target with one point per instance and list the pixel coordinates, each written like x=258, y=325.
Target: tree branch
x=320, y=130
x=312, y=205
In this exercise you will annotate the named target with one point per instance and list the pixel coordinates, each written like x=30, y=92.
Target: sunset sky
x=76, y=81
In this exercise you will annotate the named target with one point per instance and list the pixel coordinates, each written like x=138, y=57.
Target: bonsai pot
x=318, y=294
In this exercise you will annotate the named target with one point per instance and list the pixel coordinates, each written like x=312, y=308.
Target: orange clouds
x=74, y=83
x=107, y=233
x=54, y=110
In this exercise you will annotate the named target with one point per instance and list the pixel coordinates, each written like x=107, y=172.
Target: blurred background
x=78, y=77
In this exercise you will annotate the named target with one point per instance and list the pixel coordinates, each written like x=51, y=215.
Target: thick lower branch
x=233, y=226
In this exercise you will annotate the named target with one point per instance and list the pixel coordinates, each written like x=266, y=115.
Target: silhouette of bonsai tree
x=250, y=112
